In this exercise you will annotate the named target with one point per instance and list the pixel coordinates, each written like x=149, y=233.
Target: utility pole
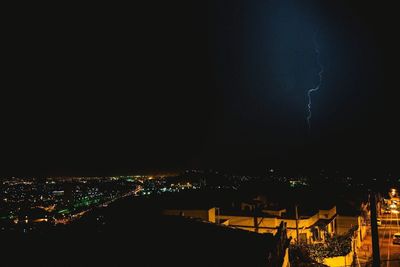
x=255, y=218
x=376, y=260
x=297, y=224
x=378, y=200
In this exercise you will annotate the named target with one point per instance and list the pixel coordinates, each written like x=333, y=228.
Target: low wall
x=340, y=261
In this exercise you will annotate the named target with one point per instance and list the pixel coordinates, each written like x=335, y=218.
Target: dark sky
x=205, y=84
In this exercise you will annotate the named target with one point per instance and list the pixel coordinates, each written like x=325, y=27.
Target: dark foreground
x=133, y=234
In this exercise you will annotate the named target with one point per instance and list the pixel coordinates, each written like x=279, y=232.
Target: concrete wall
x=269, y=225
x=247, y=223
x=326, y=214
x=362, y=228
x=344, y=223
x=340, y=261
x=211, y=215
x=225, y=222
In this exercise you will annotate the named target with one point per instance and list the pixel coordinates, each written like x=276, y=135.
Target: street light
x=393, y=192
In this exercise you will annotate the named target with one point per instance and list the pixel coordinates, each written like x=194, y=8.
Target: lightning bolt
x=316, y=88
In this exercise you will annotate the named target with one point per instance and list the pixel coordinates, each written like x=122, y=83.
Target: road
x=390, y=253
x=77, y=216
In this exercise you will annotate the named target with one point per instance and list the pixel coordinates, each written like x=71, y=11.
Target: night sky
x=100, y=90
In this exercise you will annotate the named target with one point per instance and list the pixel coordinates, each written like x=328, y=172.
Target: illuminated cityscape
x=28, y=204
x=264, y=204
